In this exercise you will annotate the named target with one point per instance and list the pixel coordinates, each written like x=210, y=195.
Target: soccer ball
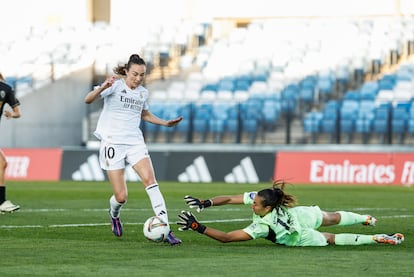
x=155, y=229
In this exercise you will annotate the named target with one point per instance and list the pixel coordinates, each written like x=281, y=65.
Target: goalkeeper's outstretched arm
x=233, y=236
x=201, y=204
x=227, y=199
x=188, y=221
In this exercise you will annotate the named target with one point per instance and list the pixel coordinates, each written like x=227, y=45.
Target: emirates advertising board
x=345, y=168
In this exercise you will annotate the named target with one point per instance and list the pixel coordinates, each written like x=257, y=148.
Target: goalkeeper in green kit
x=277, y=218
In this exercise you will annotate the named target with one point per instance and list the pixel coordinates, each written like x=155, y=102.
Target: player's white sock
x=115, y=206
x=349, y=218
x=353, y=239
x=157, y=201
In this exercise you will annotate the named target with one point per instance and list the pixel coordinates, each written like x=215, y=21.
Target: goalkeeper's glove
x=189, y=222
x=193, y=202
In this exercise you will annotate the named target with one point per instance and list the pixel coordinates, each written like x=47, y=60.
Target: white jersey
x=121, y=115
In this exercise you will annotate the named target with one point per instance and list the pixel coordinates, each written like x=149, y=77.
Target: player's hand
x=109, y=81
x=173, y=122
x=8, y=114
x=189, y=222
x=200, y=204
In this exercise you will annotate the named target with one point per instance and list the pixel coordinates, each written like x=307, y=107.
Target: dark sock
x=2, y=194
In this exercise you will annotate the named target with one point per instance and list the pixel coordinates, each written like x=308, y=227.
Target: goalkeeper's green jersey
x=281, y=228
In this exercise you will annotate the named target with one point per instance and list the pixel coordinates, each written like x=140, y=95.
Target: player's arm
x=201, y=204
x=94, y=94
x=152, y=118
x=233, y=236
x=189, y=222
x=15, y=113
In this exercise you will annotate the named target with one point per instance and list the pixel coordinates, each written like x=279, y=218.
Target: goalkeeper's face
x=258, y=207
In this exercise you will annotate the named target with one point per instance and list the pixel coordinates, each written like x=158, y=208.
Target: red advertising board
x=33, y=164
x=345, y=168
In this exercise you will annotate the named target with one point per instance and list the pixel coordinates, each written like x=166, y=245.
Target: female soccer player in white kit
x=122, y=141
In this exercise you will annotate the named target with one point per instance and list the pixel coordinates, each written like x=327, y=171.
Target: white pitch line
x=106, y=224
x=243, y=208
x=141, y=223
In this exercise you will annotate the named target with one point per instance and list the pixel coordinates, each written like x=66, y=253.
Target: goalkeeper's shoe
x=370, y=221
x=116, y=225
x=396, y=238
x=8, y=207
x=171, y=239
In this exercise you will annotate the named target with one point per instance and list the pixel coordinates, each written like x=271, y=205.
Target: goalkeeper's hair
x=134, y=59
x=276, y=197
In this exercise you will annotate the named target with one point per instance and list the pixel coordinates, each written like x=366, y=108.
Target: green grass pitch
x=63, y=229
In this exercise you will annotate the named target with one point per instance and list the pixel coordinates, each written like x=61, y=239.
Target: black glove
x=189, y=222
x=193, y=202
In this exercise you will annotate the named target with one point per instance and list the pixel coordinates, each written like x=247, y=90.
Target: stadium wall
x=308, y=164
x=51, y=116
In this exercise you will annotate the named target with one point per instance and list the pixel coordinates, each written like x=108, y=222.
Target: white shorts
x=115, y=156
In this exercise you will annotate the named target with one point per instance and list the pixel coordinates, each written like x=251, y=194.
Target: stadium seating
x=399, y=122
x=312, y=124
x=293, y=79
x=380, y=123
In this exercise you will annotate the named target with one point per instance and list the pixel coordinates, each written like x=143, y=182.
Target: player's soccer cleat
x=371, y=221
x=396, y=238
x=116, y=225
x=171, y=239
x=8, y=207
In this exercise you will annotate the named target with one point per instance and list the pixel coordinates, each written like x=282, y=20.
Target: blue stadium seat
x=210, y=87
x=183, y=128
x=233, y=127
x=363, y=126
x=329, y=126
x=348, y=114
x=270, y=114
x=399, y=122
x=226, y=84
x=289, y=98
x=369, y=90
x=217, y=128
x=380, y=124
x=243, y=82
x=201, y=128
x=312, y=122
x=387, y=82
x=325, y=85
x=352, y=95
x=251, y=127
x=220, y=110
x=307, y=91
x=150, y=131
x=342, y=77
x=410, y=125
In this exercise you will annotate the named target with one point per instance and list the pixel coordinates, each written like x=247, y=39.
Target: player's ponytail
x=133, y=59
x=276, y=197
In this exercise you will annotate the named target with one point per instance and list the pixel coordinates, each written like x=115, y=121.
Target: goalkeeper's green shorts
x=310, y=219
x=311, y=237
x=308, y=216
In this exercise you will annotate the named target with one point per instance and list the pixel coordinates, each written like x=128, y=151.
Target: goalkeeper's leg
x=343, y=218
x=358, y=239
